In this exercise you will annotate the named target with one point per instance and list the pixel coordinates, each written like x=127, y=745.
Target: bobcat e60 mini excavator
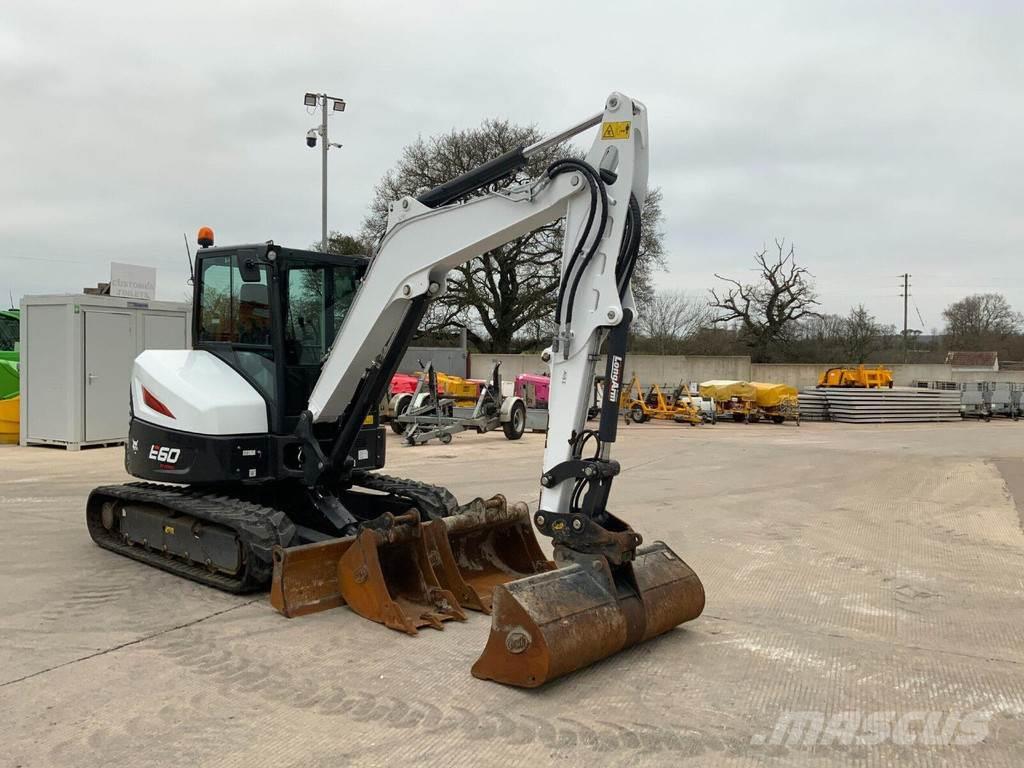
x=268, y=428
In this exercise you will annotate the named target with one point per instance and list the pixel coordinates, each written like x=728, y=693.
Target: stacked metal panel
x=899, y=404
x=813, y=405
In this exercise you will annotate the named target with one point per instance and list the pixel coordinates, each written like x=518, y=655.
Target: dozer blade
x=488, y=544
x=305, y=578
x=551, y=624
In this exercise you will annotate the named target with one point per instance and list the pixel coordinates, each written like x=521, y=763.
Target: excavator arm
x=616, y=593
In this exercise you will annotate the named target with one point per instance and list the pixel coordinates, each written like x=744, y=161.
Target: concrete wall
x=651, y=369
x=672, y=369
x=451, y=360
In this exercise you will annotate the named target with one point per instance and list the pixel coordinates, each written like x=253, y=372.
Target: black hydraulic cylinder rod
x=373, y=385
x=488, y=173
x=499, y=167
x=618, y=339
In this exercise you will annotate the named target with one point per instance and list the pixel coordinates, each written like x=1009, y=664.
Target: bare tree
x=670, y=317
x=863, y=334
x=981, y=319
x=500, y=296
x=768, y=311
x=344, y=245
x=820, y=338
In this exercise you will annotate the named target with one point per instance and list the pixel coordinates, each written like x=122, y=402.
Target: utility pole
x=337, y=105
x=906, y=298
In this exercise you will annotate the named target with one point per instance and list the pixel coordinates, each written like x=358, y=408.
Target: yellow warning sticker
x=368, y=420
x=169, y=530
x=619, y=130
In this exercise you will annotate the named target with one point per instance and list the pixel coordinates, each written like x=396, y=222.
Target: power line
x=918, y=315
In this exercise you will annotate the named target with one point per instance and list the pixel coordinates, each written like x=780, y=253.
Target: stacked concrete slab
x=882, y=406
x=813, y=405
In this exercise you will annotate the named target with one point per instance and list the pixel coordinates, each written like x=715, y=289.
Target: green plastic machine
x=9, y=355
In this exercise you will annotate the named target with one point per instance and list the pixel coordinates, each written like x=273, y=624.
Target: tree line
x=505, y=299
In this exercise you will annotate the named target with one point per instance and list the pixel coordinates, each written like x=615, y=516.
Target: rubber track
x=433, y=501
x=259, y=528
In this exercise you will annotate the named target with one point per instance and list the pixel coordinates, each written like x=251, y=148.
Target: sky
x=879, y=137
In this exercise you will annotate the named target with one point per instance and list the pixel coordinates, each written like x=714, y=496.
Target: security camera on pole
x=337, y=105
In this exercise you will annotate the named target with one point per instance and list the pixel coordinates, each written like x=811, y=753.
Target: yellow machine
x=732, y=398
x=464, y=392
x=778, y=402
x=641, y=407
x=859, y=377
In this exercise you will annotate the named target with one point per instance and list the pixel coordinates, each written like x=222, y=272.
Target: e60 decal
x=164, y=455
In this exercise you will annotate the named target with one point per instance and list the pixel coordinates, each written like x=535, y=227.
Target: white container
x=76, y=361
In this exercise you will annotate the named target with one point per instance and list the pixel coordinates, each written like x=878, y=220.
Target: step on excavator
x=259, y=447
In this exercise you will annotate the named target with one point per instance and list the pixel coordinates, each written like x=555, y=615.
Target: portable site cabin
x=76, y=360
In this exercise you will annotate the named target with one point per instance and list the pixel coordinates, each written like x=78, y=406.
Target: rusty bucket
x=487, y=544
x=382, y=574
x=385, y=576
x=550, y=624
x=305, y=577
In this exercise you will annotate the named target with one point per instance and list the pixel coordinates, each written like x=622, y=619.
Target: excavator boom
x=605, y=587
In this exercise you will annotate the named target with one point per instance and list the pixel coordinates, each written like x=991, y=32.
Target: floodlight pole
x=324, y=144
x=322, y=100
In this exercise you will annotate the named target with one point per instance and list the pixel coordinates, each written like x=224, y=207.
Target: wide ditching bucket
x=410, y=575
x=550, y=624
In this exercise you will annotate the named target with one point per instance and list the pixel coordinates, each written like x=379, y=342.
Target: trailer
x=1004, y=399
x=777, y=402
x=640, y=406
x=431, y=416
x=974, y=401
x=733, y=399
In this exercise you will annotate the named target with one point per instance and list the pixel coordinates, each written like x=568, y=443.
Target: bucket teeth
x=551, y=624
x=386, y=577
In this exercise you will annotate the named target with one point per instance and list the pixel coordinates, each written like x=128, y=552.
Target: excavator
x=259, y=447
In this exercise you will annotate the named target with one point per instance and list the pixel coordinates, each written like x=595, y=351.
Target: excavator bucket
x=551, y=624
x=489, y=543
x=412, y=575
x=383, y=575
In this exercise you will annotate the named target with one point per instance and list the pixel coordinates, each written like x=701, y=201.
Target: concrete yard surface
x=865, y=606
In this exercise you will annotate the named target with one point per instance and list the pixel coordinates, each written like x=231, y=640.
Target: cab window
x=235, y=318
x=318, y=299
x=232, y=310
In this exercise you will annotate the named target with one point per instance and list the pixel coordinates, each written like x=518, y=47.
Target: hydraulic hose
x=596, y=188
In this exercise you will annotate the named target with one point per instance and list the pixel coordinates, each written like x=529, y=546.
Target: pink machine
x=533, y=388
x=402, y=383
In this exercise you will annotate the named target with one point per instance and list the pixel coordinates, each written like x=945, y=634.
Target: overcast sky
x=880, y=137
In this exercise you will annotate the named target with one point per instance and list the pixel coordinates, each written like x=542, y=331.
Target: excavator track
x=432, y=501
x=256, y=528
